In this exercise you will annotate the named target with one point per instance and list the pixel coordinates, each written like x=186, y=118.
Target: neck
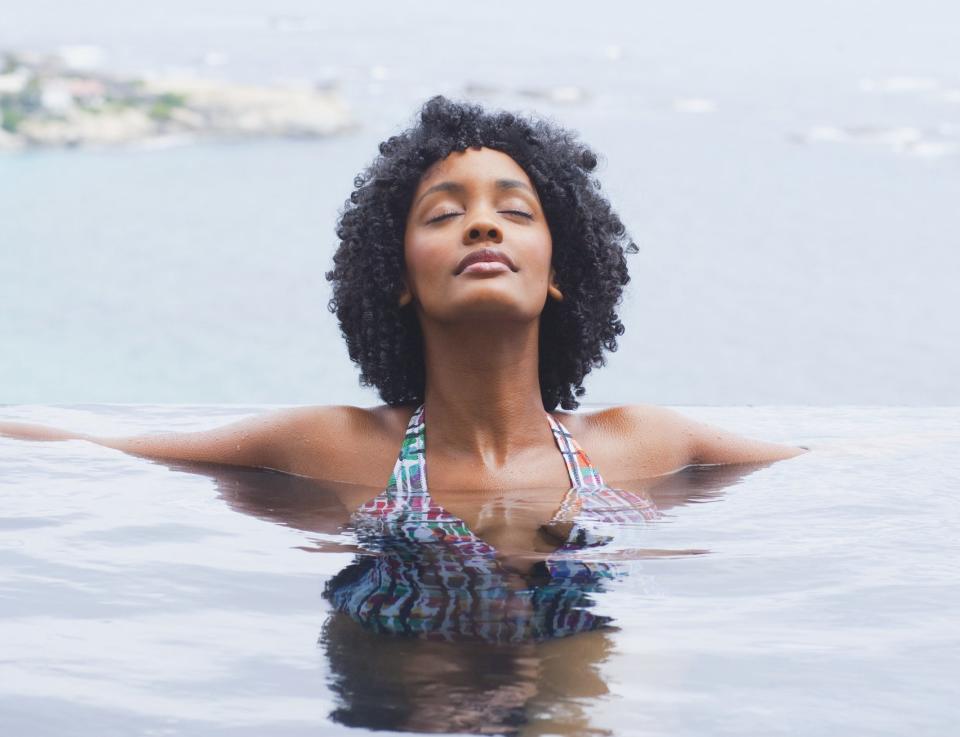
x=483, y=389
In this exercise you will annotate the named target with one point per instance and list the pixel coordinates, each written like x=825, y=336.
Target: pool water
x=815, y=596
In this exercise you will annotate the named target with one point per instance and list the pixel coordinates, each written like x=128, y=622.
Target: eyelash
x=446, y=215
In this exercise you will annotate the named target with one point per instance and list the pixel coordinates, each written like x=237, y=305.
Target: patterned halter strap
x=409, y=477
x=460, y=587
x=406, y=507
x=583, y=474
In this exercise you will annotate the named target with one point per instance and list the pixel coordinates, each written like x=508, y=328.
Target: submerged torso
x=429, y=574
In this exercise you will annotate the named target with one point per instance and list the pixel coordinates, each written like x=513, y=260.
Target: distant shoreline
x=48, y=101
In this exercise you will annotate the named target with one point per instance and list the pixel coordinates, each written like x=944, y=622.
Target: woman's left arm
x=711, y=445
x=681, y=441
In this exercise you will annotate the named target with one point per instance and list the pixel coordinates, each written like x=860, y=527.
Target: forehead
x=474, y=164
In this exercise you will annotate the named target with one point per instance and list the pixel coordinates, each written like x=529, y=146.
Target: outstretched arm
x=711, y=445
x=258, y=441
x=674, y=441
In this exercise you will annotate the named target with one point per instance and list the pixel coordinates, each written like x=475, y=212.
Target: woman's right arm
x=261, y=441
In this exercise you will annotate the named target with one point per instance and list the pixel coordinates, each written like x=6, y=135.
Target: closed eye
x=443, y=216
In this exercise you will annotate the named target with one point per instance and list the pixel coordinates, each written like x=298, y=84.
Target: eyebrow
x=500, y=184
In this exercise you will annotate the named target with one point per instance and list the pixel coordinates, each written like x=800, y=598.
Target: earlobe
x=553, y=290
x=405, y=297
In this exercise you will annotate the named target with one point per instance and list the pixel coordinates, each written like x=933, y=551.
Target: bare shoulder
x=342, y=418
x=341, y=443
x=632, y=441
x=629, y=419
x=337, y=443
x=647, y=440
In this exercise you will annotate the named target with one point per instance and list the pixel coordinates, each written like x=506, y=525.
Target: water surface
x=144, y=598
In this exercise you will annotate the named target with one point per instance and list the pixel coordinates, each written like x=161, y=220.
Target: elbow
x=778, y=452
x=754, y=453
x=792, y=451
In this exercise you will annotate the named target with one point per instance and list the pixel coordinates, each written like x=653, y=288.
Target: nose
x=482, y=230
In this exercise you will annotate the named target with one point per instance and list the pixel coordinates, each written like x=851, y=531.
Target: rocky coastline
x=46, y=103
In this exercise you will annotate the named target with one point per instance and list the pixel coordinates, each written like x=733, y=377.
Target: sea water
x=813, y=596
x=790, y=175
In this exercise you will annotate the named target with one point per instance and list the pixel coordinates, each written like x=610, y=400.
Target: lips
x=488, y=255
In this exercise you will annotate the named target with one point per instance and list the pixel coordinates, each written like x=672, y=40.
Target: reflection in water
x=436, y=592
x=439, y=635
x=426, y=686
x=449, y=635
x=427, y=575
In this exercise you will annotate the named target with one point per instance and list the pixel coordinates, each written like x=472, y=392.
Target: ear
x=553, y=290
x=405, y=296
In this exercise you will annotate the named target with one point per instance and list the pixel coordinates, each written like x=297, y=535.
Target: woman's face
x=477, y=243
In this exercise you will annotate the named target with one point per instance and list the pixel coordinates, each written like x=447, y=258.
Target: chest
x=514, y=522
x=539, y=468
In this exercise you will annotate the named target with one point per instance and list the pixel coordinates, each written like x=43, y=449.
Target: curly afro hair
x=589, y=243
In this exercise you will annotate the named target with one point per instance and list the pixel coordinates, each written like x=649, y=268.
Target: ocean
x=790, y=175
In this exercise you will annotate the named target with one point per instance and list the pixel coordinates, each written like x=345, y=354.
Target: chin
x=490, y=306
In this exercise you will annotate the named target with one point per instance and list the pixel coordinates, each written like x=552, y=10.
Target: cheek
x=423, y=260
x=539, y=252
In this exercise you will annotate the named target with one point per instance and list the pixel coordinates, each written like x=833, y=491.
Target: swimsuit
x=430, y=576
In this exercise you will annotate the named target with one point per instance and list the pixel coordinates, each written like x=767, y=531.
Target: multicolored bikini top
x=428, y=575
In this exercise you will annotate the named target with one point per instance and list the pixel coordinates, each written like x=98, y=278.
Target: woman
x=476, y=284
